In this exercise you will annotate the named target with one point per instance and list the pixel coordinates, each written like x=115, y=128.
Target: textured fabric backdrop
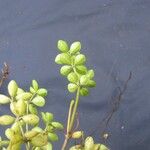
x=115, y=35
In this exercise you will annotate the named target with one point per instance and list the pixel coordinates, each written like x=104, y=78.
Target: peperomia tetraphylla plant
x=80, y=80
x=24, y=121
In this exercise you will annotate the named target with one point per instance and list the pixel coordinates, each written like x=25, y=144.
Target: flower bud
x=84, y=91
x=79, y=59
x=16, y=127
x=58, y=59
x=39, y=140
x=49, y=116
x=6, y=120
x=89, y=143
x=101, y=147
x=65, y=70
x=12, y=88
x=13, y=108
x=42, y=92
x=4, y=99
x=91, y=83
x=63, y=58
x=37, y=129
x=21, y=107
x=72, y=87
x=38, y=101
x=77, y=134
x=75, y=47
x=57, y=125
x=19, y=91
x=30, y=134
x=32, y=90
x=31, y=119
x=24, y=96
x=84, y=79
x=32, y=109
x=35, y=85
x=53, y=137
x=72, y=77
x=90, y=74
x=81, y=69
x=9, y=133
x=62, y=46
x=48, y=146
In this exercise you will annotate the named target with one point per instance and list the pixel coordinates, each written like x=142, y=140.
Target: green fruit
x=72, y=87
x=75, y=47
x=81, y=69
x=38, y=101
x=12, y=88
x=40, y=140
x=35, y=85
x=53, y=137
x=90, y=74
x=6, y=120
x=31, y=119
x=84, y=79
x=4, y=99
x=89, y=143
x=84, y=91
x=62, y=46
x=42, y=92
x=77, y=135
x=80, y=59
x=72, y=77
x=32, y=109
x=65, y=70
x=24, y=96
x=57, y=125
x=91, y=83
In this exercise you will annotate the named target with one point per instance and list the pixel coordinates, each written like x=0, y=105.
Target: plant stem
x=71, y=118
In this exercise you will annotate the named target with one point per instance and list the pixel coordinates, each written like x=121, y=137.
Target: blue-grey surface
x=116, y=39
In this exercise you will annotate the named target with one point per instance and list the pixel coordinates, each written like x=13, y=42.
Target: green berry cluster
x=74, y=67
x=24, y=121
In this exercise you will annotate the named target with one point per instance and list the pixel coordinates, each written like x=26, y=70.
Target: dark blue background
x=116, y=40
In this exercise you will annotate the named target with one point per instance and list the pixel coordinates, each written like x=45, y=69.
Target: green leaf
x=84, y=91
x=53, y=137
x=62, y=46
x=72, y=77
x=35, y=85
x=72, y=87
x=12, y=88
x=4, y=99
x=80, y=59
x=38, y=101
x=42, y=92
x=57, y=125
x=81, y=69
x=65, y=70
x=75, y=47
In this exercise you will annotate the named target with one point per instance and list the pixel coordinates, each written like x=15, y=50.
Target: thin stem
x=65, y=143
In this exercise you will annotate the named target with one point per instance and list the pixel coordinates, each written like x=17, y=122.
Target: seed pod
x=91, y=83
x=24, y=96
x=42, y=92
x=19, y=91
x=75, y=47
x=12, y=88
x=38, y=101
x=77, y=135
x=65, y=70
x=62, y=46
x=30, y=134
x=32, y=109
x=53, y=137
x=80, y=59
x=72, y=77
x=84, y=91
x=49, y=117
x=89, y=143
x=48, y=147
x=35, y=85
x=72, y=87
x=90, y=74
x=4, y=99
x=21, y=107
x=81, y=69
x=57, y=125
x=31, y=119
x=6, y=120
x=84, y=79
x=40, y=140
